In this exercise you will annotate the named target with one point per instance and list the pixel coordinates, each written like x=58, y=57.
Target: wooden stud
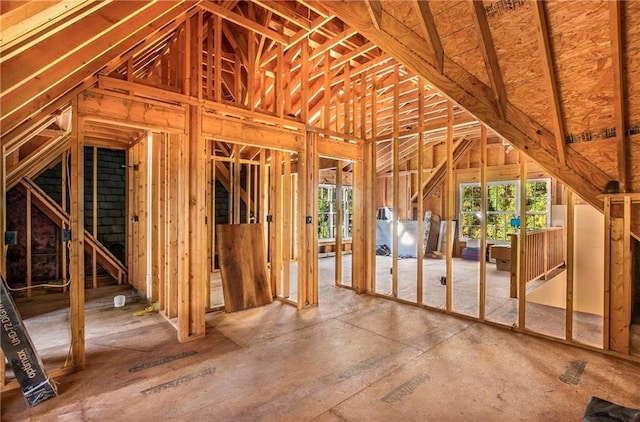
x=339, y=222
x=235, y=192
x=76, y=265
x=304, y=93
x=28, y=241
x=396, y=179
x=548, y=71
x=286, y=224
x=64, y=189
x=218, y=59
x=607, y=275
x=450, y=198
x=483, y=221
x=570, y=234
x=358, y=269
x=94, y=219
x=264, y=198
x=154, y=216
x=326, y=103
x=420, y=181
x=275, y=229
x=173, y=224
x=522, y=243
x=311, y=236
x=161, y=219
x=280, y=76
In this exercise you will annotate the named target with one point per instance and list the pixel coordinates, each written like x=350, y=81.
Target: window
x=327, y=212
x=538, y=209
x=503, y=205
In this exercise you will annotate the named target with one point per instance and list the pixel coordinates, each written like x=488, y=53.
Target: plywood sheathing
x=514, y=37
x=456, y=27
x=631, y=66
x=581, y=43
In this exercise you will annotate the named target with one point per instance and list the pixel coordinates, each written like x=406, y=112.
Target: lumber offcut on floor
x=352, y=358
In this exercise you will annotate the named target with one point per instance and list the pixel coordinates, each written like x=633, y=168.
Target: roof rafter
x=549, y=73
x=489, y=55
x=431, y=33
x=615, y=19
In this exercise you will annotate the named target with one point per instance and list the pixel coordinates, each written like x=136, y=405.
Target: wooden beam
x=617, y=54
x=375, y=13
x=332, y=42
x=430, y=32
x=544, y=48
x=76, y=265
x=100, y=105
x=244, y=22
x=223, y=128
x=490, y=57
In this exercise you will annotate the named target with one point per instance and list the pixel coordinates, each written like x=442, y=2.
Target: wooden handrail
x=54, y=211
x=545, y=253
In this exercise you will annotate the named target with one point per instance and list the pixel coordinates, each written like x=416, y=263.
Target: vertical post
x=606, y=331
x=301, y=209
x=570, y=261
x=286, y=224
x=311, y=237
x=358, y=237
x=218, y=58
x=3, y=228
x=236, y=174
x=419, y=241
x=483, y=221
x=396, y=178
x=65, y=167
x=264, y=207
x=76, y=265
x=450, y=205
x=279, y=92
x=275, y=232
x=339, y=222
x=27, y=240
x=326, y=104
x=522, y=267
x=373, y=173
x=94, y=219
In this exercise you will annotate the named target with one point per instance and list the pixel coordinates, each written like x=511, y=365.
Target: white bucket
x=119, y=301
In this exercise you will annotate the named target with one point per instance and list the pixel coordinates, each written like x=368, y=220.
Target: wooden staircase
x=460, y=148
x=54, y=211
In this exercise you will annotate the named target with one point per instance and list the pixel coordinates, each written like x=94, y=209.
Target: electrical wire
x=20, y=289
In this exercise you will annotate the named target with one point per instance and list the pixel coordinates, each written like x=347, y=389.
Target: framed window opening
x=327, y=212
x=503, y=203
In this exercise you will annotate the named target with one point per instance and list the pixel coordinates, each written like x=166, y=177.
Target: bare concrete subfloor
x=353, y=358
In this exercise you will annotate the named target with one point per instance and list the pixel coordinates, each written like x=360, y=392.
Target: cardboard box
x=503, y=264
x=501, y=252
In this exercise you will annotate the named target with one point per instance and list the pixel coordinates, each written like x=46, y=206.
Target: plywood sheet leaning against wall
x=243, y=266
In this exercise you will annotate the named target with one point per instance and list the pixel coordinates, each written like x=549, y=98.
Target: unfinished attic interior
x=329, y=210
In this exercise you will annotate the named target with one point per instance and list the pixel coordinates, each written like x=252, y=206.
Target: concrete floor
x=353, y=358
